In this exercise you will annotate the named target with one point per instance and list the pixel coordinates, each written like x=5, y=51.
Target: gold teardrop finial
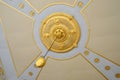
x=40, y=62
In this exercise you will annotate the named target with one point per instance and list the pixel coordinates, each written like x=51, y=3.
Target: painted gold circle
x=97, y=60
x=32, y=13
x=117, y=75
x=62, y=26
x=107, y=67
x=80, y=4
x=30, y=73
x=86, y=53
x=21, y=5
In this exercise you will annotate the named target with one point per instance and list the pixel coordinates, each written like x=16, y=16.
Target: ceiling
x=19, y=47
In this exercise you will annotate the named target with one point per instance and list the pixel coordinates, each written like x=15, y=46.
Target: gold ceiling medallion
x=63, y=27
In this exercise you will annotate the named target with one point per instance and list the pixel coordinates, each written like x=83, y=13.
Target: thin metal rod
x=49, y=48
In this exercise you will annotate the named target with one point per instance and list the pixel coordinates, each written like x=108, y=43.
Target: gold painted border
x=78, y=54
x=15, y=9
x=94, y=67
x=51, y=4
x=4, y=31
x=87, y=21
